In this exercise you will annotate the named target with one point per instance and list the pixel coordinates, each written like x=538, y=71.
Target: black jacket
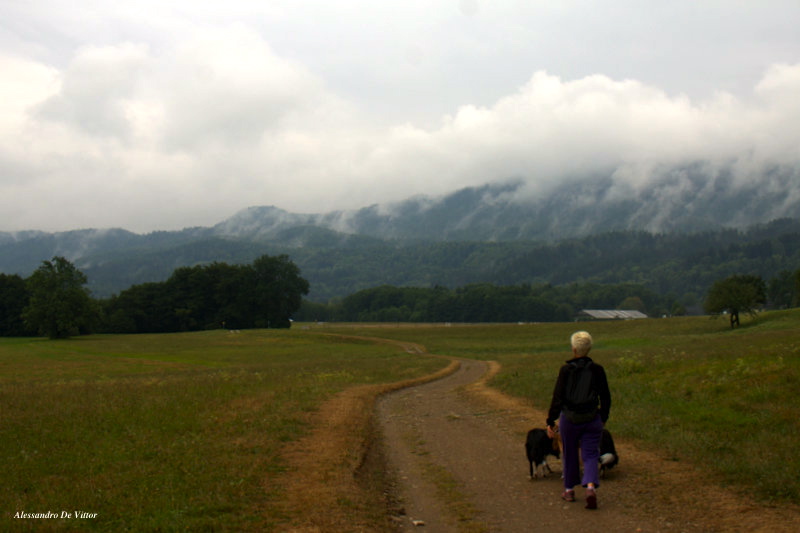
x=599, y=384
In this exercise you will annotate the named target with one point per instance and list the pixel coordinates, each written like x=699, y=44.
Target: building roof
x=612, y=314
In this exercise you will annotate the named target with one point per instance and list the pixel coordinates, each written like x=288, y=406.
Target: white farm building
x=609, y=314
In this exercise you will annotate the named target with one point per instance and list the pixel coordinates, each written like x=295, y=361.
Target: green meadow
x=185, y=431
x=721, y=400
x=167, y=432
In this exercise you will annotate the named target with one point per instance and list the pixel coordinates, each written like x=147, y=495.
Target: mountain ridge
x=681, y=202
x=686, y=200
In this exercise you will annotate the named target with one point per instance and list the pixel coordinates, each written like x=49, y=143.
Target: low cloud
x=160, y=138
x=551, y=131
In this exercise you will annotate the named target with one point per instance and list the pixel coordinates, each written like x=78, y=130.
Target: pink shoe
x=568, y=495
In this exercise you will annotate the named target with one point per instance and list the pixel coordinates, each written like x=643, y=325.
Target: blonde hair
x=581, y=342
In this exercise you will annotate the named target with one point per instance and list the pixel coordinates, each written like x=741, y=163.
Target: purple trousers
x=583, y=439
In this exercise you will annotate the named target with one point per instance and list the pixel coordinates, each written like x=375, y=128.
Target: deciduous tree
x=277, y=290
x=736, y=294
x=59, y=304
x=13, y=299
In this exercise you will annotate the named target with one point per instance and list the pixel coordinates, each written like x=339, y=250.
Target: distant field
x=725, y=400
x=184, y=431
x=167, y=432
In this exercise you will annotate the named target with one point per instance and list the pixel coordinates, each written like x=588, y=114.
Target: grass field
x=167, y=432
x=724, y=400
x=185, y=431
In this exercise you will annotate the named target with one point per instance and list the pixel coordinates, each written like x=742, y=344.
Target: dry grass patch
x=327, y=486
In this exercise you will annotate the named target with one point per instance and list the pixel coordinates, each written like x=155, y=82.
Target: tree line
x=268, y=293
x=485, y=302
x=54, y=301
x=480, y=302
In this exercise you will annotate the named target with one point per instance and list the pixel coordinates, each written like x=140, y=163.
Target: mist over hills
x=492, y=233
x=684, y=200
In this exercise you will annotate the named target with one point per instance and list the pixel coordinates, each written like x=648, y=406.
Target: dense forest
x=522, y=303
x=53, y=301
x=208, y=283
x=264, y=294
x=485, y=303
x=337, y=265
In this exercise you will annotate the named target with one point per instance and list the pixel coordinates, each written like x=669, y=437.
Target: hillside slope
x=679, y=236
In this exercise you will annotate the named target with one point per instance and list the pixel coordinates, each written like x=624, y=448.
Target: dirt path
x=456, y=450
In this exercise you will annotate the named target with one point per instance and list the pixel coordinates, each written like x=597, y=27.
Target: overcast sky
x=153, y=115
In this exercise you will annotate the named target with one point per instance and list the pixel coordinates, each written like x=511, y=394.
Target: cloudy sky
x=154, y=115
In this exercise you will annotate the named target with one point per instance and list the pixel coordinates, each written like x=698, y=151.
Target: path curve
x=455, y=448
x=449, y=435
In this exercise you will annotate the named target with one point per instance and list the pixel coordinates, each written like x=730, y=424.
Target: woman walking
x=581, y=403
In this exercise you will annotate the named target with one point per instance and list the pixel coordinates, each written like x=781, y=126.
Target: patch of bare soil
x=329, y=487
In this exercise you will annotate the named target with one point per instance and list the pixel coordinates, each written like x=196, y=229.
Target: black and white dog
x=537, y=447
x=608, y=453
